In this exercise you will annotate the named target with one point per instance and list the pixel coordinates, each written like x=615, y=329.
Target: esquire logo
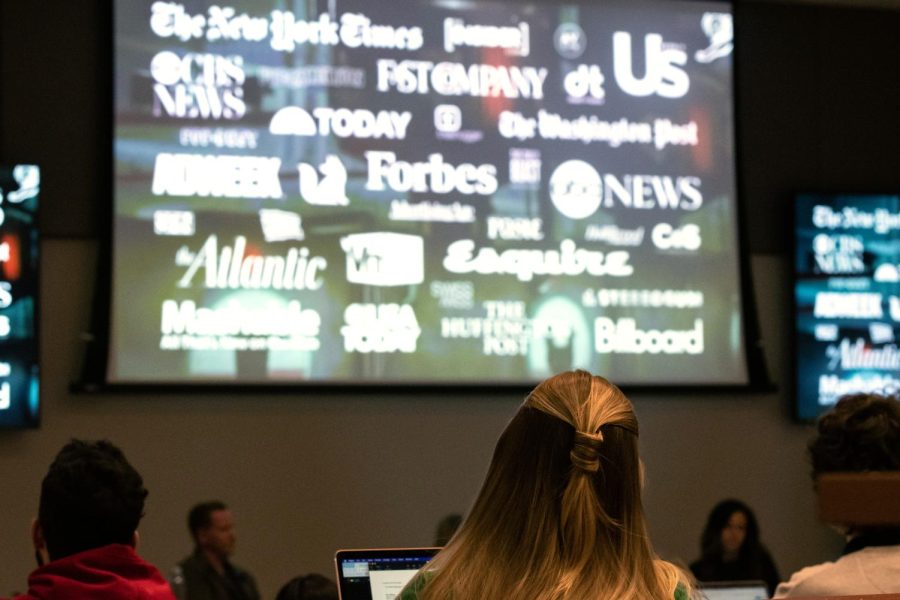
x=577, y=190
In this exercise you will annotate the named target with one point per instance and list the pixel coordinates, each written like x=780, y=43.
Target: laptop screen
x=378, y=574
x=734, y=590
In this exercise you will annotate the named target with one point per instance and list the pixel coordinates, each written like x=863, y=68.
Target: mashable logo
x=384, y=258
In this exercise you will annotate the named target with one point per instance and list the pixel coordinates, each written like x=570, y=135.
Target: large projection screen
x=424, y=192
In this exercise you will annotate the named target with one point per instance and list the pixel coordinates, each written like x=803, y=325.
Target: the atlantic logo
x=515, y=39
x=380, y=328
x=341, y=122
x=205, y=86
x=331, y=190
x=662, y=75
x=384, y=258
x=577, y=190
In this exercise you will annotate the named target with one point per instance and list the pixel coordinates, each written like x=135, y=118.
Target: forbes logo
x=686, y=237
x=575, y=189
x=662, y=75
x=384, y=258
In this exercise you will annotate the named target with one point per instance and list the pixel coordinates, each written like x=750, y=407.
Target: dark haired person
x=861, y=433
x=559, y=514
x=730, y=549
x=208, y=574
x=85, y=534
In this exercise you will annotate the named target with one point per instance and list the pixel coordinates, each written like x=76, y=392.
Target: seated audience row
x=559, y=516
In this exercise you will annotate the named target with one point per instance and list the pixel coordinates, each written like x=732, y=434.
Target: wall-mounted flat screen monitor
x=19, y=261
x=846, y=298
x=425, y=192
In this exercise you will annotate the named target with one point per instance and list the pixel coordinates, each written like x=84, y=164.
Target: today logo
x=341, y=122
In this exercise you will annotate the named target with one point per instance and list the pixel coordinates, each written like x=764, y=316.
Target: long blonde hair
x=559, y=516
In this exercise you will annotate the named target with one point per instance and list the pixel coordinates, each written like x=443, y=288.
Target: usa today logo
x=575, y=189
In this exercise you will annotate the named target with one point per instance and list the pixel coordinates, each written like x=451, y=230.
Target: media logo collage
x=476, y=188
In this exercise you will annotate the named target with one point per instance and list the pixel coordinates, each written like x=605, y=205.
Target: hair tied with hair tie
x=585, y=451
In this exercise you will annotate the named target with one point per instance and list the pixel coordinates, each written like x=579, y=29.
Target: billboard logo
x=331, y=190
x=384, y=258
x=569, y=40
x=662, y=75
x=575, y=189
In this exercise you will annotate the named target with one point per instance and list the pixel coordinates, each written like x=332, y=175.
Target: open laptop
x=377, y=573
x=734, y=590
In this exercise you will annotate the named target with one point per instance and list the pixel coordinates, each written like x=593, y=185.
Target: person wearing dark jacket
x=208, y=574
x=86, y=530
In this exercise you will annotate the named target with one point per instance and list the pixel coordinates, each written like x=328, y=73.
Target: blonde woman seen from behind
x=559, y=515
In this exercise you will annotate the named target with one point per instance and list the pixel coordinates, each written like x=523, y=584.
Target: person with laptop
x=731, y=549
x=860, y=434
x=559, y=514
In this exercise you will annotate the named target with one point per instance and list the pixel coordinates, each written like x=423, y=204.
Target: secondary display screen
x=19, y=260
x=433, y=191
x=846, y=297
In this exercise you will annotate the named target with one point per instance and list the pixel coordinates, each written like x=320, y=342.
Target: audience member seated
x=446, y=528
x=559, y=514
x=730, y=549
x=85, y=534
x=208, y=574
x=860, y=434
x=309, y=587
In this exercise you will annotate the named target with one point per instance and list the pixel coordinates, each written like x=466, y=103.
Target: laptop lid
x=377, y=573
x=734, y=590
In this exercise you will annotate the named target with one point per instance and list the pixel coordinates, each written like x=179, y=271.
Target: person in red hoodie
x=86, y=531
